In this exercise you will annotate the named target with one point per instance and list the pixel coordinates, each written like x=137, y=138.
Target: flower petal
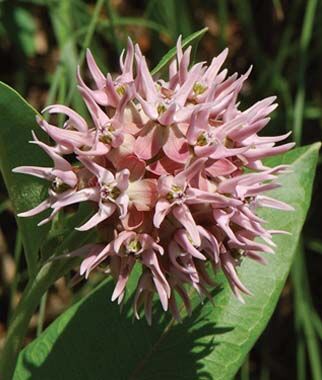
x=175, y=145
x=104, y=212
x=149, y=141
x=183, y=215
x=162, y=208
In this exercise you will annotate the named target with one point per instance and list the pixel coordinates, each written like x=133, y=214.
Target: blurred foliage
x=41, y=43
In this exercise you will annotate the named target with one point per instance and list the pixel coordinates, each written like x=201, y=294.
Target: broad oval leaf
x=17, y=120
x=91, y=340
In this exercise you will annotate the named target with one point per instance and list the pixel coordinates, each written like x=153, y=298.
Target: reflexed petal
x=68, y=138
x=184, y=91
x=220, y=167
x=125, y=270
x=104, y=212
x=67, y=177
x=196, y=196
x=50, y=217
x=198, y=123
x=123, y=236
x=88, y=194
x=99, y=117
x=147, y=82
x=182, y=239
x=36, y=171
x=59, y=162
x=95, y=255
x=128, y=62
x=112, y=97
x=255, y=154
x=264, y=201
x=231, y=274
x=162, y=208
x=75, y=120
x=99, y=149
x=183, y=215
x=96, y=73
x=167, y=117
x=223, y=220
x=150, y=260
x=122, y=179
x=215, y=66
x=123, y=203
x=36, y=210
x=209, y=243
x=192, y=170
x=104, y=175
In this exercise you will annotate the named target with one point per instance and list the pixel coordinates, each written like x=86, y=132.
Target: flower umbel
x=174, y=170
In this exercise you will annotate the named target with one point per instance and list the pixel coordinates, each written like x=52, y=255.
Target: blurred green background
x=41, y=43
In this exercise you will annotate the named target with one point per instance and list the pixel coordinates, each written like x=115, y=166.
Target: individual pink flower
x=123, y=253
x=108, y=92
x=75, y=133
x=62, y=177
x=109, y=192
x=109, y=132
x=175, y=195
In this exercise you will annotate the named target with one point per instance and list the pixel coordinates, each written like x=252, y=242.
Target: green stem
x=223, y=22
x=61, y=97
x=304, y=44
x=91, y=29
x=17, y=256
x=298, y=314
x=112, y=16
x=307, y=338
x=52, y=94
x=42, y=313
x=87, y=40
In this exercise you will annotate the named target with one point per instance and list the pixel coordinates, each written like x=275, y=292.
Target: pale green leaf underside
x=91, y=340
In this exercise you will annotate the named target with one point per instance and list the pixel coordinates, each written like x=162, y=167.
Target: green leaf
x=91, y=340
x=194, y=37
x=17, y=120
x=49, y=272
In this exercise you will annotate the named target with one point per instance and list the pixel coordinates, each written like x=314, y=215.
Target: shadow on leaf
x=93, y=341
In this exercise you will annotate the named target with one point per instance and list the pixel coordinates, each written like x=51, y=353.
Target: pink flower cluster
x=163, y=162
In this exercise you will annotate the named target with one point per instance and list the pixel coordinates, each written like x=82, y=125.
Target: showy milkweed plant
x=174, y=169
x=173, y=189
